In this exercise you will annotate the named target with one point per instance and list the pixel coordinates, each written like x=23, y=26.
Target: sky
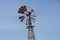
x=47, y=25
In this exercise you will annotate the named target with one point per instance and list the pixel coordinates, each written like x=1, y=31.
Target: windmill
x=28, y=18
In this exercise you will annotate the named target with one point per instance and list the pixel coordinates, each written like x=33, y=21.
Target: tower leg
x=31, y=34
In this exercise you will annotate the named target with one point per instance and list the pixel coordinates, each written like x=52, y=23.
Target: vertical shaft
x=31, y=34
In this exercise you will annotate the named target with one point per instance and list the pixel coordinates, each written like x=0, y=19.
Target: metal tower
x=29, y=19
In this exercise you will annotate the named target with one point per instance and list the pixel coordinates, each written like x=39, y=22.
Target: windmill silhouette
x=28, y=17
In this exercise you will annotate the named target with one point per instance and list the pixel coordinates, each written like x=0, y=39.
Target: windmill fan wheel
x=28, y=12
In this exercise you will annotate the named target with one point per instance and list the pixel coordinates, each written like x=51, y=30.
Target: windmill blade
x=21, y=18
x=33, y=16
x=22, y=9
x=33, y=19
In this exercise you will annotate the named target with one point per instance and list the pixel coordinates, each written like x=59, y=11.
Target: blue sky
x=47, y=20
